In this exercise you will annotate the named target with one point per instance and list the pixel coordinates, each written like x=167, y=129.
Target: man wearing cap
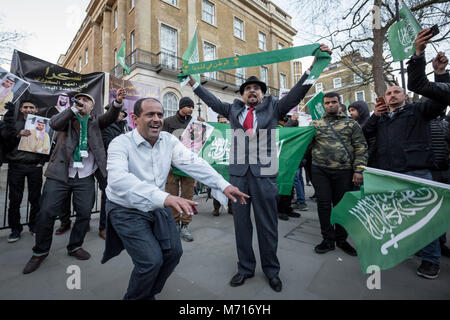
x=254, y=167
x=176, y=125
x=108, y=134
x=78, y=153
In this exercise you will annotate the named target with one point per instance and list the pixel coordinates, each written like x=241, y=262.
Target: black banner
x=49, y=81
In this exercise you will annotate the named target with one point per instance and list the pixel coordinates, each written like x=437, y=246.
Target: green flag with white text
x=393, y=217
x=402, y=35
x=121, y=56
x=191, y=54
x=291, y=145
x=316, y=107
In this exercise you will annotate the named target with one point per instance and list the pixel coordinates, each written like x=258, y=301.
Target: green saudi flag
x=402, y=35
x=316, y=107
x=191, y=54
x=393, y=217
x=291, y=145
x=121, y=56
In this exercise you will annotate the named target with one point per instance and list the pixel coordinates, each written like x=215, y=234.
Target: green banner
x=191, y=54
x=402, y=35
x=316, y=107
x=291, y=145
x=121, y=57
x=394, y=217
x=262, y=58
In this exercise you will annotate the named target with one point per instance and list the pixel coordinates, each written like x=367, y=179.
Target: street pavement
x=209, y=262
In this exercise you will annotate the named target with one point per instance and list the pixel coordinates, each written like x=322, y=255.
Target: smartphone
x=381, y=100
x=434, y=30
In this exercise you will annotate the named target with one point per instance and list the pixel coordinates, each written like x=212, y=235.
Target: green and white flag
x=402, y=35
x=291, y=145
x=393, y=217
x=121, y=56
x=316, y=107
x=191, y=56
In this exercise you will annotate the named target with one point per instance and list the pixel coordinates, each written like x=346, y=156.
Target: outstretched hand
x=180, y=205
x=421, y=40
x=120, y=95
x=232, y=191
x=324, y=48
x=440, y=62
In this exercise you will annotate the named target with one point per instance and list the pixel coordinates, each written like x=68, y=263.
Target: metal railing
x=171, y=64
x=25, y=205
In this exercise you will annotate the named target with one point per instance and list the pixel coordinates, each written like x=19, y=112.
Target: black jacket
x=176, y=122
x=403, y=141
x=418, y=82
x=112, y=131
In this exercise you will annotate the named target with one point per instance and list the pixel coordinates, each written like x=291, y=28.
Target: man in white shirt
x=137, y=216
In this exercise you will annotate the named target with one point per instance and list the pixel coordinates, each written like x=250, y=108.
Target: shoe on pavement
x=294, y=214
x=80, y=254
x=428, y=270
x=102, y=234
x=445, y=251
x=283, y=216
x=216, y=212
x=347, y=248
x=62, y=229
x=239, y=279
x=14, y=236
x=324, y=247
x=302, y=207
x=33, y=263
x=275, y=284
x=185, y=233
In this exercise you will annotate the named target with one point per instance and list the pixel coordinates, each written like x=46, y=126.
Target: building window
x=132, y=48
x=261, y=41
x=131, y=4
x=116, y=18
x=319, y=87
x=209, y=53
x=79, y=64
x=240, y=75
x=86, y=56
x=280, y=46
x=169, y=47
x=238, y=28
x=337, y=83
x=172, y=2
x=264, y=74
x=357, y=78
x=208, y=12
x=341, y=98
x=359, y=96
x=283, y=83
x=297, y=71
x=170, y=104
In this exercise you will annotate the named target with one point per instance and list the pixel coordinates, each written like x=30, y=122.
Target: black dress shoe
x=239, y=279
x=275, y=284
x=324, y=247
x=80, y=254
x=33, y=264
x=347, y=248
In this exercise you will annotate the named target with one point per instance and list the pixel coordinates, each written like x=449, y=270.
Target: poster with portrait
x=39, y=139
x=11, y=88
x=195, y=135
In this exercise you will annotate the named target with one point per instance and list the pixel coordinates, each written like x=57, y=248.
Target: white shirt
x=137, y=172
x=89, y=167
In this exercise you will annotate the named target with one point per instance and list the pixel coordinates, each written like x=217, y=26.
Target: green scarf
x=262, y=58
x=81, y=149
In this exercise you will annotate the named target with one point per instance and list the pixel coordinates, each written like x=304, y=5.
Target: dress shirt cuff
x=159, y=198
x=117, y=105
x=308, y=72
x=75, y=110
x=195, y=86
x=222, y=185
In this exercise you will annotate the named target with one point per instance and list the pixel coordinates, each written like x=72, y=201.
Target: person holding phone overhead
x=403, y=142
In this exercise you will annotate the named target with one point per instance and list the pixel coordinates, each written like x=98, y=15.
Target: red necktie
x=248, y=122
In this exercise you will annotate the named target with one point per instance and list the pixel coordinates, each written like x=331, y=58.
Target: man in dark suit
x=254, y=167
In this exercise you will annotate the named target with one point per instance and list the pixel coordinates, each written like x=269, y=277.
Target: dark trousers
x=16, y=178
x=65, y=212
x=102, y=184
x=152, y=265
x=330, y=186
x=53, y=197
x=285, y=204
x=264, y=197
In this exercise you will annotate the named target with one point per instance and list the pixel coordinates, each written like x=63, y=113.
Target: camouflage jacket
x=328, y=151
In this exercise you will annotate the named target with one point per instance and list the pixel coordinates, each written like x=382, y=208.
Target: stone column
x=107, y=54
x=143, y=22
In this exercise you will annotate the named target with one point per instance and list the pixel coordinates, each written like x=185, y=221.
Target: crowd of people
x=146, y=208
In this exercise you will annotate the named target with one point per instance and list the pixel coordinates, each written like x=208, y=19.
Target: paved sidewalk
x=209, y=262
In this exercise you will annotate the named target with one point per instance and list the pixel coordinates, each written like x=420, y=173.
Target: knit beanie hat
x=186, y=102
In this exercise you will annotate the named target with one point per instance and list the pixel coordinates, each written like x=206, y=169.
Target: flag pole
x=402, y=68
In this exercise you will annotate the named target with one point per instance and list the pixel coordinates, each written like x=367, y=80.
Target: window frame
x=213, y=13
x=265, y=41
x=334, y=83
x=243, y=28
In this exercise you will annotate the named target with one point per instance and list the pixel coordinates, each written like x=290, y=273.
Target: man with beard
x=254, y=168
x=38, y=141
x=62, y=104
x=6, y=91
x=137, y=215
